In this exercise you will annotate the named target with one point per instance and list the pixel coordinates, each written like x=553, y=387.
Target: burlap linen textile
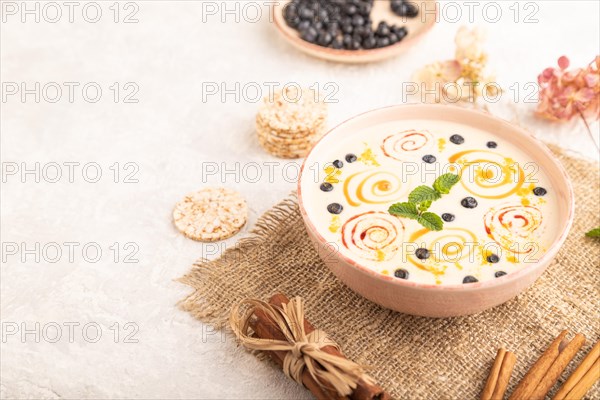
x=415, y=357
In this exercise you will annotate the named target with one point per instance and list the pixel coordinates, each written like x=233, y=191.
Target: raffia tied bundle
x=305, y=354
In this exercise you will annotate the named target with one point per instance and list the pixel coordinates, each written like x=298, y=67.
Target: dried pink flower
x=567, y=93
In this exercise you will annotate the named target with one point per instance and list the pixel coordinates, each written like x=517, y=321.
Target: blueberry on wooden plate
x=404, y=8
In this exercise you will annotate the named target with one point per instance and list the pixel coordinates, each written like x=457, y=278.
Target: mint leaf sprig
x=594, y=233
x=420, y=199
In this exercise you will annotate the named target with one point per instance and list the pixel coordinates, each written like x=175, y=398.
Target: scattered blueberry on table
x=326, y=187
x=470, y=279
x=429, y=159
x=335, y=208
x=498, y=274
x=468, y=202
x=448, y=217
x=422, y=253
x=401, y=273
x=457, y=139
x=345, y=24
x=539, y=191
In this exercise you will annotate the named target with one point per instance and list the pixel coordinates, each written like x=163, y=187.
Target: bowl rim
x=355, y=55
x=506, y=279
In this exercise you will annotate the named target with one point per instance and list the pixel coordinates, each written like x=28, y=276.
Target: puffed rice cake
x=211, y=214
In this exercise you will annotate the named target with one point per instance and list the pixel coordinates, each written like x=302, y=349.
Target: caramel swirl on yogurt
x=406, y=145
x=488, y=174
x=513, y=227
x=374, y=187
x=373, y=235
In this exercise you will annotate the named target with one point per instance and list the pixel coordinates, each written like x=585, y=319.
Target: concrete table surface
x=142, y=102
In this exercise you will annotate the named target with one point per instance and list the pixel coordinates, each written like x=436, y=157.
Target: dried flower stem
x=589, y=130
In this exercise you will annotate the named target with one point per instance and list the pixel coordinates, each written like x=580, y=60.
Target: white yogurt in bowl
x=512, y=225
x=493, y=233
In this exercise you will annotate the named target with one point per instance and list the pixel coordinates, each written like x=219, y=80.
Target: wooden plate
x=417, y=27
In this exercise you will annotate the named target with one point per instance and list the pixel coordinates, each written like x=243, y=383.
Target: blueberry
x=498, y=274
x=422, y=253
x=383, y=42
x=401, y=32
x=302, y=26
x=492, y=258
x=351, y=9
x=335, y=208
x=337, y=43
x=405, y=9
x=347, y=41
x=351, y=158
x=347, y=28
x=355, y=45
x=429, y=159
x=470, y=279
x=468, y=202
x=361, y=31
x=324, y=39
x=457, y=139
x=491, y=145
x=309, y=35
x=365, y=8
x=370, y=42
x=540, y=191
x=448, y=217
x=294, y=22
x=326, y=187
x=306, y=13
x=338, y=164
x=401, y=273
x=393, y=38
x=358, y=20
x=383, y=29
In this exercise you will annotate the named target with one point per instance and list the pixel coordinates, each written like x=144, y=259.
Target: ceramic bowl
x=428, y=299
x=417, y=27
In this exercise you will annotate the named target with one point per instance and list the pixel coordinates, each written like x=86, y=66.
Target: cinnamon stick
x=499, y=375
x=558, y=366
x=266, y=329
x=490, y=385
x=548, y=368
x=576, y=387
x=586, y=382
x=508, y=364
x=263, y=330
x=537, y=372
